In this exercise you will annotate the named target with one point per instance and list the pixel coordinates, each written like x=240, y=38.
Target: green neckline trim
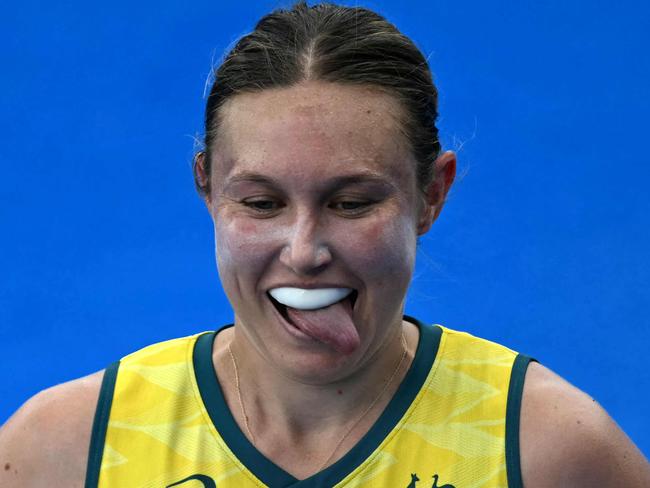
x=513, y=414
x=271, y=474
x=100, y=424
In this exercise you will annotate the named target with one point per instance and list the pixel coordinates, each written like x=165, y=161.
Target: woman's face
x=313, y=186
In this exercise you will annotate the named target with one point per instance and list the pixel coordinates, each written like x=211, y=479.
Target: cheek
x=243, y=245
x=384, y=249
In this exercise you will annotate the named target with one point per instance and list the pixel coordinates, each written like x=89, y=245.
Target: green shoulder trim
x=100, y=424
x=513, y=411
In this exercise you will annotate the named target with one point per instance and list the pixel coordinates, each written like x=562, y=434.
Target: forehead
x=313, y=124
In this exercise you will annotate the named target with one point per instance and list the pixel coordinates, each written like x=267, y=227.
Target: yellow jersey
x=162, y=421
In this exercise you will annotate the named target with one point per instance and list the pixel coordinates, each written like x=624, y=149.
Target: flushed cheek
x=244, y=248
x=383, y=251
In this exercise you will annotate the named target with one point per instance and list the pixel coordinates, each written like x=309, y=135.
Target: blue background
x=543, y=245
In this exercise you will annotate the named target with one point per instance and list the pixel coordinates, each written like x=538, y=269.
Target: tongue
x=331, y=325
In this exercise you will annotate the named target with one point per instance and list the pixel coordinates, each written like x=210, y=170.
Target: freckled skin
x=303, y=138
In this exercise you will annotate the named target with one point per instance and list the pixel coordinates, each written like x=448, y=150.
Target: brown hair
x=332, y=43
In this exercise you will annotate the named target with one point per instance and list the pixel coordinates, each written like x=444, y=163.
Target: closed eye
x=262, y=206
x=352, y=207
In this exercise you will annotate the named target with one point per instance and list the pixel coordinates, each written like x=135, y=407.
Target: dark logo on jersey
x=415, y=479
x=206, y=480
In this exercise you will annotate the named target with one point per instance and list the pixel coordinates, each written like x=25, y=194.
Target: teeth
x=309, y=299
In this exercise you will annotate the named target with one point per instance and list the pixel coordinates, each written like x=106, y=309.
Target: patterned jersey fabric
x=162, y=421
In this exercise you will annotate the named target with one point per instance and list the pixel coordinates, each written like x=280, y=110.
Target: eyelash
x=255, y=205
x=360, y=206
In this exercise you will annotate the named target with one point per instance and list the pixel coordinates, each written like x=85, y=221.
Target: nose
x=306, y=252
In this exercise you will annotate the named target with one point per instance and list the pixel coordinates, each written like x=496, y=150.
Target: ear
x=436, y=193
x=200, y=175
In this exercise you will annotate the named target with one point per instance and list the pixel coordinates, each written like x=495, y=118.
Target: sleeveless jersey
x=162, y=422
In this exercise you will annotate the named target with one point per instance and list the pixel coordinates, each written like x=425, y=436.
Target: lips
x=282, y=304
x=309, y=299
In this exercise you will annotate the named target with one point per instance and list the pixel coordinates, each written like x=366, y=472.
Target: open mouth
x=282, y=309
x=324, y=315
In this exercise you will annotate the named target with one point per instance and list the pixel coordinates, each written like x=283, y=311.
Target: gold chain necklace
x=349, y=431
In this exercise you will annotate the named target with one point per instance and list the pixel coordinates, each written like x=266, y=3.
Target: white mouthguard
x=309, y=299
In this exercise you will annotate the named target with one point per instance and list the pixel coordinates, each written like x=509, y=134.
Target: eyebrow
x=333, y=183
x=249, y=177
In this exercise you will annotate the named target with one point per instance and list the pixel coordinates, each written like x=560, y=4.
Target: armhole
x=513, y=411
x=100, y=424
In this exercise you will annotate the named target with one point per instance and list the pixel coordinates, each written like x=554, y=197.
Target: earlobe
x=425, y=220
x=436, y=192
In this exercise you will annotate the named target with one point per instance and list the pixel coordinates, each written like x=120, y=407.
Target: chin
x=318, y=367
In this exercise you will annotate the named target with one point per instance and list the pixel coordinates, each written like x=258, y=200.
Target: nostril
x=304, y=257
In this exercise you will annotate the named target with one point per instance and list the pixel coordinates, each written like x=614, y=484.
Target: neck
x=283, y=405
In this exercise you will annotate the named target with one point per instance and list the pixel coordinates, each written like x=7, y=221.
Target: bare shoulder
x=568, y=440
x=45, y=443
